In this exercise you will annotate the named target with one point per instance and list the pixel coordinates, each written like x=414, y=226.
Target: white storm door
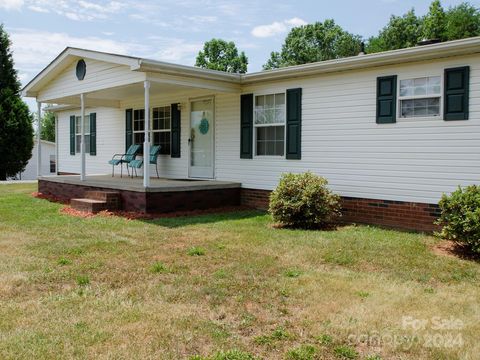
x=201, y=141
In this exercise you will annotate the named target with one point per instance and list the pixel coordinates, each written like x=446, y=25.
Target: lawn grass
x=224, y=286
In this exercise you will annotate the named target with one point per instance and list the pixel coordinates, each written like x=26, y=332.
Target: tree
x=315, y=42
x=400, y=32
x=221, y=55
x=462, y=21
x=16, y=131
x=457, y=22
x=434, y=22
x=48, y=127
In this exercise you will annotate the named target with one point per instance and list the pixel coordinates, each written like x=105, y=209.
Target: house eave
x=61, y=61
x=393, y=57
x=147, y=65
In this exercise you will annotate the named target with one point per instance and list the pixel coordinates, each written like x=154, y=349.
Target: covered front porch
x=105, y=103
x=162, y=196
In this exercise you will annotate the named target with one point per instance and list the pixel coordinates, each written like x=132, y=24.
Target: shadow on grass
x=196, y=219
x=455, y=249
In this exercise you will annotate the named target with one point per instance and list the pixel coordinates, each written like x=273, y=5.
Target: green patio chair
x=120, y=159
x=137, y=164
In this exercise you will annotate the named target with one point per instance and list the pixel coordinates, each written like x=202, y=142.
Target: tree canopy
x=218, y=54
x=457, y=22
x=327, y=40
x=16, y=132
x=314, y=42
x=48, y=126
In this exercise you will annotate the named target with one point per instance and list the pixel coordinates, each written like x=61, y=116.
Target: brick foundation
x=395, y=214
x=254, y=198
x=149, y=202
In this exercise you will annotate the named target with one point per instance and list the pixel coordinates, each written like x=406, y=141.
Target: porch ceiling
x=114, y=96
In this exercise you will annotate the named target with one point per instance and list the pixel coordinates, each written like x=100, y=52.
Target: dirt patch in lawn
x=452, y=249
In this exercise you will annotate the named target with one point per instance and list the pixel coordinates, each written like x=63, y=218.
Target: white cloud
x=11, y=4
x=110, y=7
x=77, y=10
x=38, y=9
x=295, y=22
x=175, y=50
x=275, y=28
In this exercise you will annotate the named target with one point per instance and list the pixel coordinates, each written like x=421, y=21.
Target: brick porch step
x=95, y=201
x=89, y=205
x=108, y=196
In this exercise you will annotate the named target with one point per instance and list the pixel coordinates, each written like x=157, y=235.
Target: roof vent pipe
x=428, y=42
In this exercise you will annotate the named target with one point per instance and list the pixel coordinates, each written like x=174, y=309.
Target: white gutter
x=418, y=53
x=183, y=70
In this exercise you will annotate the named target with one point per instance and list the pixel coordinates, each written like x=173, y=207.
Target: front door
x=201, y=139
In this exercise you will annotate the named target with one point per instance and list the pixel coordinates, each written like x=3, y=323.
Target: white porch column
x=56, y=144
x=146, y=144
x=82, y=137
x=39, y=142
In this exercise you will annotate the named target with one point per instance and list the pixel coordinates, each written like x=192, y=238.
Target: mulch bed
x=136, y=215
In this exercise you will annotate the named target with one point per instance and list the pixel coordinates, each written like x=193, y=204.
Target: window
x=78, y=133
x=138, y=126
x=269, y=123
x=161, y=122
x=420, y=97
x=52, y=164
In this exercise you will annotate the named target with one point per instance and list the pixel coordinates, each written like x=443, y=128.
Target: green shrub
x=304, y=201
x=460, y=217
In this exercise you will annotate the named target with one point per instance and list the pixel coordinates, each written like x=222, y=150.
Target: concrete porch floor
x=136, y=184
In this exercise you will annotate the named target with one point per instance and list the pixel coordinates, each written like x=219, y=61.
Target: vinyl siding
x=111, y=136
x=99, y=74
x=110, y=140
x=412, y=160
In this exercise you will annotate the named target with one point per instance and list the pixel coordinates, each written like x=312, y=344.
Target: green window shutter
x=128, y=128
x=175, y=131
x=456, y=88
x=246, y=126
x=93, y=134
x=294, y=124
x=72, y=135
x=387, y=99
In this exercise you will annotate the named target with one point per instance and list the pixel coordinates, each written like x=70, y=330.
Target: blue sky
x=175, y=31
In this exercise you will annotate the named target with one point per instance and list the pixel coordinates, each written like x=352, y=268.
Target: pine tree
x=16, y=131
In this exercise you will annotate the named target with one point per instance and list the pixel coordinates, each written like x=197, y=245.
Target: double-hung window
x=139, y=126
x=269, y=124
x=78, y=133
x=420, y=97
x=161, y=125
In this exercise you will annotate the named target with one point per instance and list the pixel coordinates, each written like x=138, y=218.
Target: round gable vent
x=81, y=69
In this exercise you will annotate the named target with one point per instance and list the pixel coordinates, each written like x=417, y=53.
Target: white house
x=391, y=131
x=48, y=163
